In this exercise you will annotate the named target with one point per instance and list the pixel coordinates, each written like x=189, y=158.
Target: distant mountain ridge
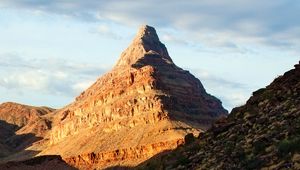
x=20, y=125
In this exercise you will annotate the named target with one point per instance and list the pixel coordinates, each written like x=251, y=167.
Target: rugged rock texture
x=20, y=126
x=21, y=115
x=145, y=105
x=262, y=134
x=38, y=163
x=128, y=156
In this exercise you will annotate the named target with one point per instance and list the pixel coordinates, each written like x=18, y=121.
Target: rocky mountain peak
x=145, y=42
x=144, y=106
x=147, y=32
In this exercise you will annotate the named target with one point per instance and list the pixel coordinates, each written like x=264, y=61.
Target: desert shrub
x=253, y=163
x=289, y=146
x=229, y=147
x=189, y=138
x=183, y=160
x=259, y=146
x=240, y=154
x=240, y=137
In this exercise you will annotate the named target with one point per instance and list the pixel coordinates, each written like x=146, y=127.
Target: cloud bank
x=226, y=29
x=48, y=76
x=211, y=23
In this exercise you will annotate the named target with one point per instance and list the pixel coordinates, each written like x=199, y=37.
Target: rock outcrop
x=144, y=105
x=262, y=134
x=125, y=156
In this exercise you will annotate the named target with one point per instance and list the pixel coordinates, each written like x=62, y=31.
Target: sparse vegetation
x=259, y=146
x=287, y=146
x=183, y=160
x=253, y=163
x=262, y=134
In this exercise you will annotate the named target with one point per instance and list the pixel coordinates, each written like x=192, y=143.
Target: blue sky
x=51, y=50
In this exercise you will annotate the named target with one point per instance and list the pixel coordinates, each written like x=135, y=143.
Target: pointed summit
x=147, y=32
x=145, y=42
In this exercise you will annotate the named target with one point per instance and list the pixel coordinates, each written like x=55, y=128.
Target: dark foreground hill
x=262, y=134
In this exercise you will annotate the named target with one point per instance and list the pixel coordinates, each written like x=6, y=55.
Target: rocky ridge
x=262, y=134
x=21, y=125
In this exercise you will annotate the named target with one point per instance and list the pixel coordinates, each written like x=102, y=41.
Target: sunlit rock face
x=144, y=105
x=145, y=101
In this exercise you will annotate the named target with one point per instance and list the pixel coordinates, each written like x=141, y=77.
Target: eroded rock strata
x=145, y=101
x=143, y=106
x=130, y=156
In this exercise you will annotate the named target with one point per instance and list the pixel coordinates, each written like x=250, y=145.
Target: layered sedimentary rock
x=126, y=156
x=262, y=134
x=144, y=105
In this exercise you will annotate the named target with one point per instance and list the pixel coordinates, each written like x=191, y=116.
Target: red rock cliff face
x=145, y=101
x=129, y=156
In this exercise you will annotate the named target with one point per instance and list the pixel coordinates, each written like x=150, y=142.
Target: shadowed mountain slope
x=262, y=134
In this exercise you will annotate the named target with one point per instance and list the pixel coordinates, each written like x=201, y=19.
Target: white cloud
x=237, y=99
x=228, y=24
x=47, y=76
x=107, y=31
x=35, y=80
x=60, y=75
x=169, y=38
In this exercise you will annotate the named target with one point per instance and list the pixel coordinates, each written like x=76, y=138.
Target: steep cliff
x=262, y=134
